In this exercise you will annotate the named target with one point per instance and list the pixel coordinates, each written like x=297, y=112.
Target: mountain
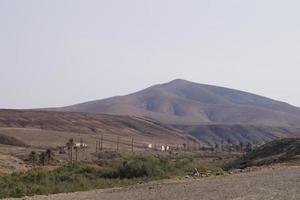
x=187, y=103
x=42, y=129
x=210, y=113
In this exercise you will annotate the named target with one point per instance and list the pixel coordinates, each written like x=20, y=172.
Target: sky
x=63, y=52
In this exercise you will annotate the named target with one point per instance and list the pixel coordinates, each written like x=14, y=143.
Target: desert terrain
x=149, y=100
x=245, y=147
x=24, y=131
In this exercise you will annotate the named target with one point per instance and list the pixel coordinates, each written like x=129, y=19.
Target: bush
x=18, y=191
x=136, y=167
x=78, y=177
x=140, y=167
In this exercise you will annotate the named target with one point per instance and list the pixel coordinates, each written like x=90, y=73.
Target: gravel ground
x=266, y=184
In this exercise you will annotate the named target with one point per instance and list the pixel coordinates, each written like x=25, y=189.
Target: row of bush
x=79, y=177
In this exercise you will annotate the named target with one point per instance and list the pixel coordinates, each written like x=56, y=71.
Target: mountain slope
x=237, y=133
x=52, y=129
x=279, y=151
x=187, y=103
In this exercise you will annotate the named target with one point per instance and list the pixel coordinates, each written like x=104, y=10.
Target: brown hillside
x=278, y=151
x=52, y=129
x=235, y=134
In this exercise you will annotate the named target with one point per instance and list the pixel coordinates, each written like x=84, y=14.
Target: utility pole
x=132, y=144
x=97, y=145
x=194, y=147
x=76, y=153
x=101, y=144
x=118, y=138
x=184, y=146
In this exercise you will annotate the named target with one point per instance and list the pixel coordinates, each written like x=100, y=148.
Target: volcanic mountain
x=187, y=103
x=210, y=113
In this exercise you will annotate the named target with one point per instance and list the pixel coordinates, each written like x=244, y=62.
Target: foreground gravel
x=266, y=184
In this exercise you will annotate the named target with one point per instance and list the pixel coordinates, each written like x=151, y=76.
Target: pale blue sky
x=61, y=52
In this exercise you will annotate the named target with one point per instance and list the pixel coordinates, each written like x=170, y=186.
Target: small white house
x=149, y=146
x=80, y=145
x=165, y=148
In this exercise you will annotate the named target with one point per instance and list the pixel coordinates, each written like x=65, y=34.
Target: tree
x=216, y=145
x=70, y=145
x=76, y=153
x=42, y=158
x=33, y=157
x=49, y=155
x=229, y=141
x=249, y=147
x=237, y=147
x=241, y=146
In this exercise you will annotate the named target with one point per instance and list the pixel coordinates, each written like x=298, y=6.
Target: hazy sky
x=61, y=52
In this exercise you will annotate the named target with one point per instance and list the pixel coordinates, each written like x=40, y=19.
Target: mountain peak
x=179, y=81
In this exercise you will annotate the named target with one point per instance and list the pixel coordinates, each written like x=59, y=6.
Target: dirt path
x=267, y=184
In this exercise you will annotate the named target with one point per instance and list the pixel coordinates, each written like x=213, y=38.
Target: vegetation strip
x=113, y=173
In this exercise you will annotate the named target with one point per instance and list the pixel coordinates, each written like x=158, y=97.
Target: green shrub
x=18, y=191
x=136, y=167
x=79, y=177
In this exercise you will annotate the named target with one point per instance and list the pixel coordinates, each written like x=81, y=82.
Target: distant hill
x=51, y=129
x=278, y=151
x=187, y=103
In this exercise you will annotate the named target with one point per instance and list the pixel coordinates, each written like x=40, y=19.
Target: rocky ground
x=275, y=184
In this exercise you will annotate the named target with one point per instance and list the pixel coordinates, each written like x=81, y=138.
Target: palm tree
x=49, y=155
x=70, y=145
x=249, y=147
x=76, y=153
x=42, y=158
x=33, y=157
x=241, y=146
